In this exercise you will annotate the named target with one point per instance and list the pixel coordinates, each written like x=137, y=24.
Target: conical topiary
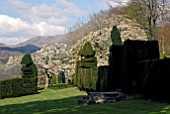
x=27, y=60
x=28, y=68
x=87, y=50
x=115, y=36
x=86, y=69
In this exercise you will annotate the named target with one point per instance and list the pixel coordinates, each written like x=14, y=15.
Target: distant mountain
x=6, y=51
x=2, y=44
x=32, y=45
x=22, y=49
x=40, y=41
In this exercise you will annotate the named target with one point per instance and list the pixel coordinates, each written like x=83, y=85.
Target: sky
x=21, y=20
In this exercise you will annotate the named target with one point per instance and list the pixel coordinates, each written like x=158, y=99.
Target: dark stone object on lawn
x=102, y=97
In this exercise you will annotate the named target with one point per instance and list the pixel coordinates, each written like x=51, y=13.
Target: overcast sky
x=24, y=19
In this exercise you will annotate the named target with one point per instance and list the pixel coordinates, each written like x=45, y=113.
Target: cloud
x=43, y=29
x=116, y=3
x=46, y=13
x=70, y=8
x=10, y=25
x=17, y=4
x=66, y=3
x=12, y=40
x=25, y=19
x=34, y=20
x=15, y=29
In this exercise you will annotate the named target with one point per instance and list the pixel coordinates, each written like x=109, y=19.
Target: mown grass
x=64, y=101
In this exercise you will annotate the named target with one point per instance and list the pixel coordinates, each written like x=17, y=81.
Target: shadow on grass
x=69, y=106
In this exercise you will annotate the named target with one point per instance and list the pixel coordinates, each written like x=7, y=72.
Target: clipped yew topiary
x=88, y=58
x=115, y=59
x=28, y=68
x=87, y=50
x=86, y=69
x=115, y=36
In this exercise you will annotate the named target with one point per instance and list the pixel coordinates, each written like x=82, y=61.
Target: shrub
x=54, y=80
x=17, y=87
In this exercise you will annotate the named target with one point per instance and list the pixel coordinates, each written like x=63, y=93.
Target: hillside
x=53, y=58
x=2, y=44
x=40, y=41
x=30, y=46
x=21, y=49
x=6, y=52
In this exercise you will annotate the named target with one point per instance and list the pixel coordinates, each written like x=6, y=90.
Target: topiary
x=88, y=59
x=87, y=50
x=26, y=59
x=115, y=36
x=86, y=69
x=28, y=68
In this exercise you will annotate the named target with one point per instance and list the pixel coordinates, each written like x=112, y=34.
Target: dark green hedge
x=18, y=87
x=103, y=82
x=133, y=52
x=115, y=64
x=155, y=79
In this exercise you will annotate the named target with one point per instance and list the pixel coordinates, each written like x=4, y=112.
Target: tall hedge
x=103, y=82
x=115, y=60
x=133, y=52
x=28, y=68
x=155, y=79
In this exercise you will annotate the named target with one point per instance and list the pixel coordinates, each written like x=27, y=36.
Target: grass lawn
x=64, y=101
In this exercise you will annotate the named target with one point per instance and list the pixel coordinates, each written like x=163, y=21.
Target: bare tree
x=151, y=14
x=164, y=31
x=85, y=25
x=146, y=12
